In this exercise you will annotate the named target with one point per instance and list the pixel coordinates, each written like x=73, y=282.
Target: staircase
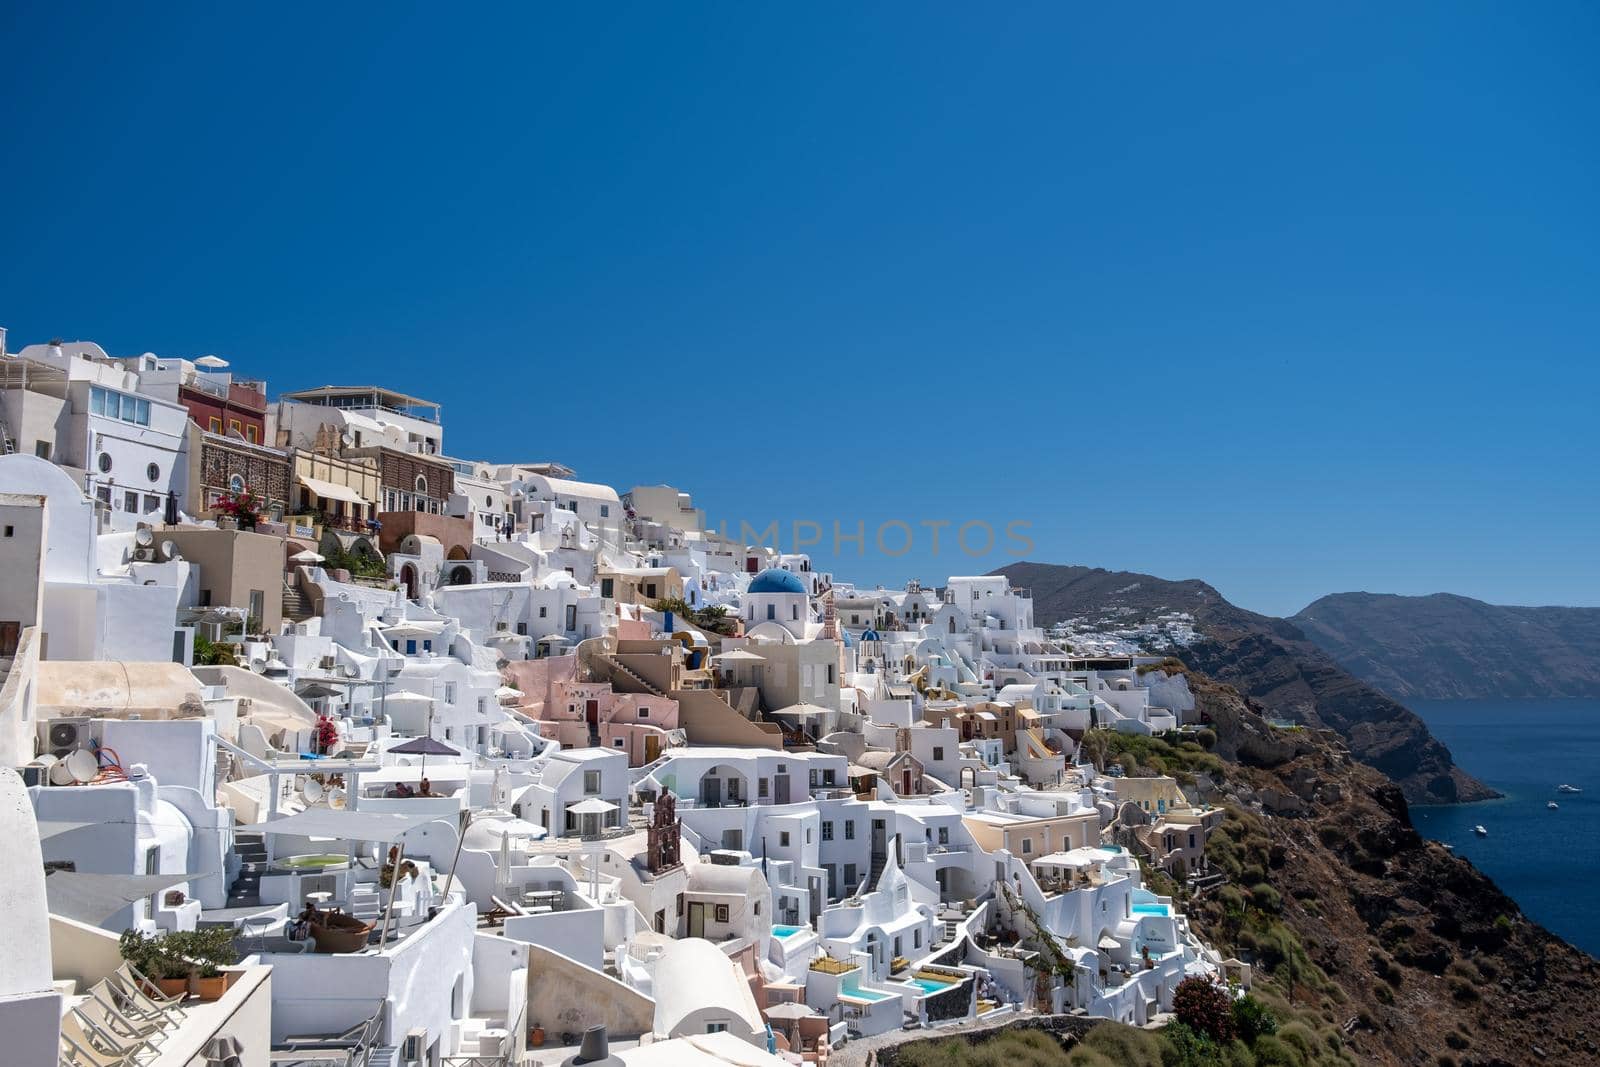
x=629, y=673
x=246, y=889
x=951, y=930
x=296, y=607
x=879, y=862
x=366, y=903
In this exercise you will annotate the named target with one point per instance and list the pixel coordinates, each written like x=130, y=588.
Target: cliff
x=1270, y=661
x=1446, y=647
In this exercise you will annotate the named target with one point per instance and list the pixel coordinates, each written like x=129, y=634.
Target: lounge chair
x=91, y=1045
x=99, y=1006
x=129, y=978
x=134, y=1002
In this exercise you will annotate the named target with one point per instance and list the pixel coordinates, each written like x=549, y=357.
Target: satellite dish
x=82, y=765
x=169, y=549
x=312, y=791
x=336, y=798
x=347, y=439
x=258, y=665
x=59, y=775
x=144, y=537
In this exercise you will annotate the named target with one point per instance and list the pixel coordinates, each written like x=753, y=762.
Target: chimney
x=594, y=1050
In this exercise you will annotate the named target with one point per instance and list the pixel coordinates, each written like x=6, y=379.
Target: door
x=880, y=844
x=711, y=791
x=697, y=920
x=780, y=789
x=652, y=747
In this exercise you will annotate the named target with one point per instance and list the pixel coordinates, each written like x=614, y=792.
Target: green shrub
x=1121, y=1045
x=1272, y=1052
x=1184, y=1046
x=1251, y=1019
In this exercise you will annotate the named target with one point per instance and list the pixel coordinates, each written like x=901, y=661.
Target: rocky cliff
x=1446, y=647
x=1268, y=660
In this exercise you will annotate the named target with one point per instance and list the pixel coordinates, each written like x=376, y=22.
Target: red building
x=238, y=407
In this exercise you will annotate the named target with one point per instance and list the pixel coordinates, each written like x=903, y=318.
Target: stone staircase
x=879, y=862
x=246, y=889
x=629, y=673
x=296, y=606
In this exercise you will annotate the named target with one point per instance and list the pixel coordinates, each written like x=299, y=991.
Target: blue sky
x=1295, y=301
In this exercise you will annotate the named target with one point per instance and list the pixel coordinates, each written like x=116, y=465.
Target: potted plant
x=243, y=507
x=206, y=952
x=156, y=961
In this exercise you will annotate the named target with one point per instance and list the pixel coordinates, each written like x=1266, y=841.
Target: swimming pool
x=865, y=994
x=930, y=985
x=1145, y=903
x=782, y=932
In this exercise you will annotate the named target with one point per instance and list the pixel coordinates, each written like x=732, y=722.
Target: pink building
x=591, y=714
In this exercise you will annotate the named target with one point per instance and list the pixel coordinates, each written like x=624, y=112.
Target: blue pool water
x=929, y=985
x=781, y=932
x=865, y=994
x=1145, y=903
x=1544, y=860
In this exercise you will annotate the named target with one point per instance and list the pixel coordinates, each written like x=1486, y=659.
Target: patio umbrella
x=307, y=556
x=170, y=514
x=215, y=362
x=425, y=746
x=791, y=1012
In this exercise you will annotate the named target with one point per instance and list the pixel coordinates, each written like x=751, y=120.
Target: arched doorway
x=408, y=578
x=460, y=575
x=457, y=552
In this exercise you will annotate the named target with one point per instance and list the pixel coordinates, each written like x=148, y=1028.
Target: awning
x=94, y=898
x=384, y=826
x=331, y=490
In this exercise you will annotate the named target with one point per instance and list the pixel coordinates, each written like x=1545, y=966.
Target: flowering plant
x=243, y=505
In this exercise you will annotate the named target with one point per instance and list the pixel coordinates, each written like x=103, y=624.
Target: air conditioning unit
x=414, y=1050
x=62, y=737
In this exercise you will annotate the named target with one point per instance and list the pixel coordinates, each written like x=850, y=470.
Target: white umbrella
x=307, y=556
x=210, y=361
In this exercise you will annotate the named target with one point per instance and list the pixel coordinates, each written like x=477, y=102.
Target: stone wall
x=264, y=470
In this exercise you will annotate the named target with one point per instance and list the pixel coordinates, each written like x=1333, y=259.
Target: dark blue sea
x=1547, y=861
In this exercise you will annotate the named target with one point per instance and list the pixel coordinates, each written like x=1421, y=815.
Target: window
x=130, y=502
x=214, y=424
x=761, y=787
x=849, y=829
x=772, y=611
x=938, y=753
x=103, y=494
x=1027, y=846
x=605, y=511
x=794, y=611
x=944, y=835
x=422, y=485
x=153, y=472
x=234, y=426
x=716, y=1028
x=449, y=692
x=618, y=743
x=722, y=913
x=650, y=590
x=543, y=611
x=41, y=449
x=236, y=483
x=916, y=938
x=830, y=674
x=783, y=839
x=522, y=629
x=591, y=782
x=827, y=830
x=849, y=875
x=104, y=463
x=644, y=713
x=250, y=434
x=151, y=503
x=11, y=531
x=758, y=907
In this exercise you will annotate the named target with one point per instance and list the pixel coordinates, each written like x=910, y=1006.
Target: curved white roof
x=693, y=974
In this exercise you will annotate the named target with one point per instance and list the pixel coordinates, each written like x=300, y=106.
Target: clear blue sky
x=1296, y=301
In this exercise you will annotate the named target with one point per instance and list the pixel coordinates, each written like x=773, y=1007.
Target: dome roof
x=776, y=580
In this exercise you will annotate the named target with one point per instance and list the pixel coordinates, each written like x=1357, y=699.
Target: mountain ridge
x=1444, y=646
x=1270, y=661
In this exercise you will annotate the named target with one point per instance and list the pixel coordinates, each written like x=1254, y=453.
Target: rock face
x=1446, y=647
x=1434, y=963
x=1268, y=660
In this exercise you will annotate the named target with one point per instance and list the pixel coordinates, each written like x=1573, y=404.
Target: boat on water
x=1552, y=805
x=1480, y=831
x=1565, y=788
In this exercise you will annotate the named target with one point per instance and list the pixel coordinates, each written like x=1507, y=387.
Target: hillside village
x=330, y=747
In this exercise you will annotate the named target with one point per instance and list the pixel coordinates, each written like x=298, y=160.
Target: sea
x=1547, y=861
